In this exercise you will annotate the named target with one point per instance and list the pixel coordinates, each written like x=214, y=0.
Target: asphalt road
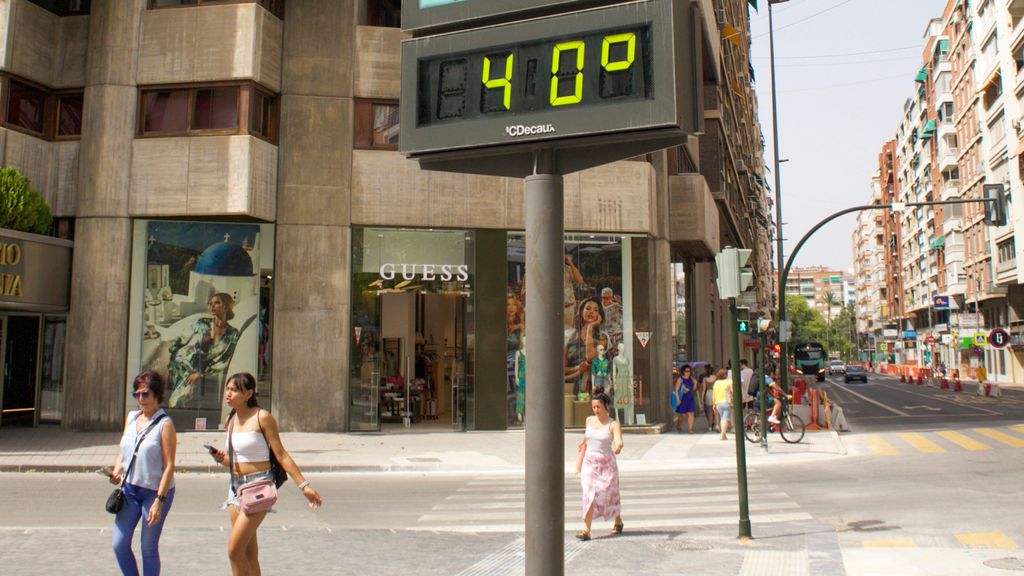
x=884, y=404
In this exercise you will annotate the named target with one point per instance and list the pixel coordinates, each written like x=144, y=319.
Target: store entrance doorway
x=421, y=361
x=19, y=374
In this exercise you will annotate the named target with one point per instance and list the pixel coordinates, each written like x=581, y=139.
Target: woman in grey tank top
x=149, y=486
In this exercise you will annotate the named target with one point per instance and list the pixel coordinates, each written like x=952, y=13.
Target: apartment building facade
x=228, y=173
x=869, y=275
x=958, y=276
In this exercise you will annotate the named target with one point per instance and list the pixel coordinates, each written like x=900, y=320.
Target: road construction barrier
x=945, y=383
x=957, y=387
x=812, y=423
x=903, y=378
x=920, y=377
x=989, y=389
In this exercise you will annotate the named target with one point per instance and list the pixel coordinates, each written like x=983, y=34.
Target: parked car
x=836, y=367
x=855, y=372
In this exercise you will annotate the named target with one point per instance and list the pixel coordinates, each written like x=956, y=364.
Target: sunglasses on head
x=138, y=394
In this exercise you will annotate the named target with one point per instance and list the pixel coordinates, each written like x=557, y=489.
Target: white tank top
x=599, y=440
x=250, y=447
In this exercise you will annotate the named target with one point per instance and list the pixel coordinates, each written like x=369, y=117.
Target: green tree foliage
x=22, y=208
x=808, y=325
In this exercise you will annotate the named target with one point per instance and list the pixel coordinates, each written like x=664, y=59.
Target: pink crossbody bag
x=253, y=497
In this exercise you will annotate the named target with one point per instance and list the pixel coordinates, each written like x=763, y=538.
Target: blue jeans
x=137, y=501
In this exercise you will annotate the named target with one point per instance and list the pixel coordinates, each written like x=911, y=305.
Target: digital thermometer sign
x=627, y=70
x=419, y=15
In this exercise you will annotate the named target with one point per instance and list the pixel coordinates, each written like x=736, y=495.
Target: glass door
x=20, y=370
x=51, y=378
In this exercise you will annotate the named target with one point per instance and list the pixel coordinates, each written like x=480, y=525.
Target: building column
x=312, y=279
x=97, y=330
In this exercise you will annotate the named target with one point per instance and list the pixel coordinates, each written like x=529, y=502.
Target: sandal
x=583, y=535
x=617, y=529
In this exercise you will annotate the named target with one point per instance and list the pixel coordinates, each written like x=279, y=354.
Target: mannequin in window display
x=623, y=386
x=600, y=371
x=521, y=379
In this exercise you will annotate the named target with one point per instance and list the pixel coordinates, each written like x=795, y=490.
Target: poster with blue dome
x=202, y=312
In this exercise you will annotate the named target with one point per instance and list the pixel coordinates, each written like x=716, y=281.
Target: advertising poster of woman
x=202, y=312
x=592, y=294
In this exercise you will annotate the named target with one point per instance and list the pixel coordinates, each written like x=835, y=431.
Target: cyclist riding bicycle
x=774, y=393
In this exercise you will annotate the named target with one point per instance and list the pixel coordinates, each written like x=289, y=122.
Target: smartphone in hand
x=211, y=449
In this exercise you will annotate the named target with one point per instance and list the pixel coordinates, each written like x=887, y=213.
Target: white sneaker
x=773, y=419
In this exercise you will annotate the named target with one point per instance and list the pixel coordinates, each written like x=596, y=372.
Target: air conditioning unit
x=741, y=166
x=720, y=16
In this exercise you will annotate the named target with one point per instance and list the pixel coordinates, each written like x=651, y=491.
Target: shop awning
x=937, y=242
x=922, y=75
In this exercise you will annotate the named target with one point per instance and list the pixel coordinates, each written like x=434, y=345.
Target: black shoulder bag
x=276, y=471
x=116, y=499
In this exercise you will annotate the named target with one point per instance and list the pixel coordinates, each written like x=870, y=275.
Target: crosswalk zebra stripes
x=941, y=441
x=649, y=500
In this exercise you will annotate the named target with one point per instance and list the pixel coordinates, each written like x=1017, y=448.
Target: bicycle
x=791, y=427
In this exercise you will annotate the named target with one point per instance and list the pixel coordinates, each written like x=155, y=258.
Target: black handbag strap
x=138, y=443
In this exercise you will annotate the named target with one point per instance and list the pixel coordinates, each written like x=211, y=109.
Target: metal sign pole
x=545, y=427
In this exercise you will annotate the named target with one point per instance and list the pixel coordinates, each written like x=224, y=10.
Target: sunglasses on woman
x=140, y=394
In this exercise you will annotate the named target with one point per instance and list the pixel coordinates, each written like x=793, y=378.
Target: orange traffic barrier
x=956, y=384
x=813, y=424
x=945, y=383
x=920, y=377
x=902, y=377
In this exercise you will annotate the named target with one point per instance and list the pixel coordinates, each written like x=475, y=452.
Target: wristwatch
x=161, y=497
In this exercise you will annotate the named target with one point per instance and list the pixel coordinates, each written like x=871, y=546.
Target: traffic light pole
x=737, y=421
x=784, y=277
x=545, y=428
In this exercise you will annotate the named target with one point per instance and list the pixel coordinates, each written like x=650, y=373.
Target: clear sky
x=835, y=112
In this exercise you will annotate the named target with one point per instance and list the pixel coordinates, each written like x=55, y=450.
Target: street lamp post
x=783, y=356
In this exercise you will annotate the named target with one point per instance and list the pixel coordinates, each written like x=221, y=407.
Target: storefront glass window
x=201, y=312
x=412, y=329
x=51, y=386
x=597, y=294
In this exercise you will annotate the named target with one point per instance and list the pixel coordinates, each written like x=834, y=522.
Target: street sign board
x=980, y=340
x=751, y=343
x=940, y=302
x=930, y=339
x=999, y=338
x=970, y=320
x=909, y=344
x=883, y=346
x=889, y=333
x=590, y=83
x=910, y=334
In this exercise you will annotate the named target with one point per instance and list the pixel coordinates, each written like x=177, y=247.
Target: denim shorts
x=724, y=410
x=240, y=481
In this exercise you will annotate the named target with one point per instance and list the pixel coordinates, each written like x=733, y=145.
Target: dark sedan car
x=856, y=372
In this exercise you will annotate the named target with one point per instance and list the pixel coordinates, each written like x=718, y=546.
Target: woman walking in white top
x=598, y=470
x=253, y=433
x=147, y=458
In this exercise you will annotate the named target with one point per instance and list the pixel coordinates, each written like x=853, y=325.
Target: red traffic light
x=777, y=348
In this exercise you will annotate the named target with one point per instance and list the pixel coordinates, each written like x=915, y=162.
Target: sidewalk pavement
x=56, y=450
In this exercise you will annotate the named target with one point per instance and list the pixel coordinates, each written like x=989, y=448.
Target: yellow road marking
x=963, y=440
x=1001, y=437
x=894, y=543
x=986, y=540
x=880, y=447
x=1018, y=429
x=921, y=443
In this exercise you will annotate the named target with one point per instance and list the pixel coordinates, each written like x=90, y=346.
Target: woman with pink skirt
x=598, y=470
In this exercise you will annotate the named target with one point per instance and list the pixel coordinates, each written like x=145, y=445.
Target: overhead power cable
x=881, y=51
x=794, y=23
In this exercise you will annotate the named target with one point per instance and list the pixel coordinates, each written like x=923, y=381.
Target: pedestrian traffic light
x=725, y=263
x=995, y=207
x=764, y=325
x=744, y=326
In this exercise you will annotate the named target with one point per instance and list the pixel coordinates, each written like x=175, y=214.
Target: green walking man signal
x=743, y=326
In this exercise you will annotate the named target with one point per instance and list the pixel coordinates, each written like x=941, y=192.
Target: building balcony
x=378, y=62
x=52, y=167
x=693, y=216
x=215, y=43
x=1015, y=8
x=41, y=46
x=947, y=157
x=203, y=176
x=950, y=190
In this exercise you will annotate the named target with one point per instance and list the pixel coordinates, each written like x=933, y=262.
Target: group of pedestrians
x=710, y=393
x=144, y=470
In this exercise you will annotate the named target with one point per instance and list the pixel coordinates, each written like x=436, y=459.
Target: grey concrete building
x=228, y=173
